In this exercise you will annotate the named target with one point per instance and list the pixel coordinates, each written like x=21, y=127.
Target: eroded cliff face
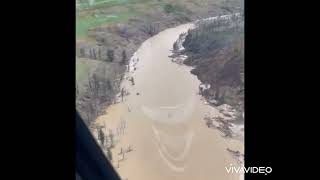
x=224, y=72
x=216, y=51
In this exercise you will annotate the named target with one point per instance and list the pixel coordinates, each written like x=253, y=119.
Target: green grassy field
x=103, y=12
x=83, y=24
x=107, y=3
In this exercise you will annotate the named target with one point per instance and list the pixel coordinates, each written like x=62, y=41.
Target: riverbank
x=217, y=60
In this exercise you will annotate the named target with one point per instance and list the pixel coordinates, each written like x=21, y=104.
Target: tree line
x=104, y=54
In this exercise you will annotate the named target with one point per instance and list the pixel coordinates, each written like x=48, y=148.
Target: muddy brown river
x=162, y=120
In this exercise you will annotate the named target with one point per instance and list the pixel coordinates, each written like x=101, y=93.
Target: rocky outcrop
x=216, y=51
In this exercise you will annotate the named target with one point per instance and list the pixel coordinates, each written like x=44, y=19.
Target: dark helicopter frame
x=91, y=163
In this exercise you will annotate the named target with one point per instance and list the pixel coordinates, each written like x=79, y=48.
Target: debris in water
x=237, y=155
x=132, y=80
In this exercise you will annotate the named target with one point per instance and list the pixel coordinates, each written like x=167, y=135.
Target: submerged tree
x=122, y=94
x=101, y=137
x=132, y=81
x=111, y=138
x=111, y=145
x=109, y=154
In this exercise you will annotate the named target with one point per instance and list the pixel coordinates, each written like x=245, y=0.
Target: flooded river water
x=162, y=120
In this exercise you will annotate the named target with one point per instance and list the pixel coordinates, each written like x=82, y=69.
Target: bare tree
x=99, y=52
x=148, y=28
x=90, y=53
x=101, y=137
x=109, y=86
x=110, y=54
x=82, y=52
x=93, y=53
x=122, y=94
x=124, y=57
